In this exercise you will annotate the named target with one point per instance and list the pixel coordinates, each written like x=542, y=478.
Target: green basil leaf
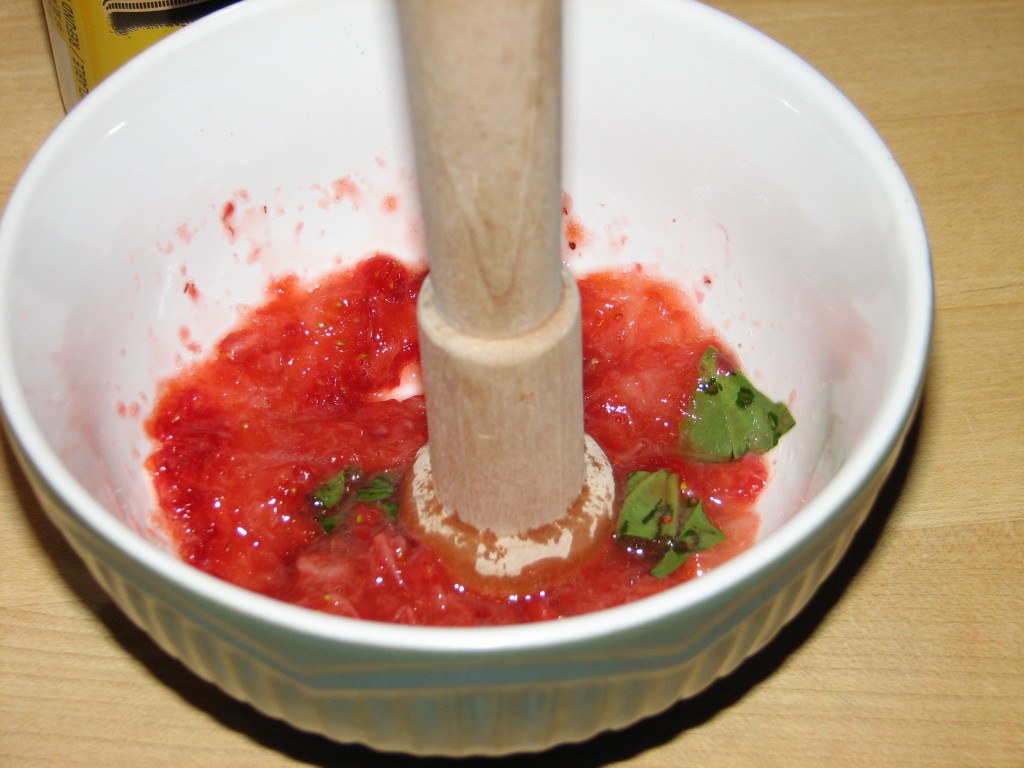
x=347, y=488
x=390, y=508
x=669, y=563
x=696, y=534
x=379, y=488
x=649, y=498
x=380, y=492
x=654, y=509
x=729, y=417
x=331, y=492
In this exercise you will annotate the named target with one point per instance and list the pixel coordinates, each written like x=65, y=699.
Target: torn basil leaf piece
x=389, y=508
x=649, y=499
x=380, y=492
x=698, y=533
x=655, y=509
x=338, y=494
x=331, y=492
x=728, y=417
x=378, y=489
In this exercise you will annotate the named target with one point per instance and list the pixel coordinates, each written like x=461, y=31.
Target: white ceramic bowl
x=693, y=145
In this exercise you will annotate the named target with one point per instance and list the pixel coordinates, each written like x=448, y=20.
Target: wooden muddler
x=509, y=488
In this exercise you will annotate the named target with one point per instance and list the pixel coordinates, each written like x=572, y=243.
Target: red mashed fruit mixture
x=305, y=387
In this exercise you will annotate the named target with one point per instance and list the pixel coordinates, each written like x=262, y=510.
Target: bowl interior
x=168, y=200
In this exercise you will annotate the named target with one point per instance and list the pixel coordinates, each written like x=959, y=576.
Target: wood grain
x=498, y=316
x=488, y=154
x=912, y=654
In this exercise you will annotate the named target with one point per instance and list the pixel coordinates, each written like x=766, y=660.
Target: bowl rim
x=883, y=435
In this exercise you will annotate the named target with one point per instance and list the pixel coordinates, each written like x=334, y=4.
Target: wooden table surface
x=912, y=654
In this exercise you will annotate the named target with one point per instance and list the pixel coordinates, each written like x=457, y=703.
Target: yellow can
x=92, y=38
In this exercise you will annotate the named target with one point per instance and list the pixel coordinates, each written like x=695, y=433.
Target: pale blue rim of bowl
x=885, y=432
